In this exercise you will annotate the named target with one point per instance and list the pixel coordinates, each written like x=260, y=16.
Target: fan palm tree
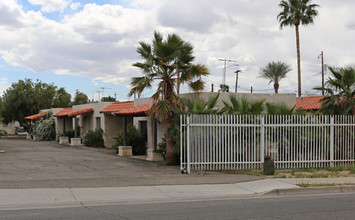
x=295, y=13
x=340, y=91
x=275, y=71
x=163, y=61
x=243, y=106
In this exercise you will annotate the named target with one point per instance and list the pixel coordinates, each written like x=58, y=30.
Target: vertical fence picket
x=210, y=142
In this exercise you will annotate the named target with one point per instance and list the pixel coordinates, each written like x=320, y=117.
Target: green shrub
x=134, y=139
x=162, y=148
x=69, y=134
x=3, y=133
x=94, y=138
x=44, y=129
x=269, y=167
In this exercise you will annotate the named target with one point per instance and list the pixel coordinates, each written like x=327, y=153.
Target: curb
x=311, y=190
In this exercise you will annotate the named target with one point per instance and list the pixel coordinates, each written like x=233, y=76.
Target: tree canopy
x=108, y=99
x=62, y=99
x=167, y=62
x=340, y=91
x=80, y=98
x=26, y=98
x=274, y=72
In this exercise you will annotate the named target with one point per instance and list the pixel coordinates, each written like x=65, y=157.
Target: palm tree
x=282, y=109
x=275, y=71
x=295, y=13
x=340, y=91
x=243, y=106
x=163, y=61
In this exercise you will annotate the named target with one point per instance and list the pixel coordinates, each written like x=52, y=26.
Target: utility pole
x=236, y=80
x=212, y=87
x=225, y=69
x=322, y=57
x=98, y=92
x=251, y=89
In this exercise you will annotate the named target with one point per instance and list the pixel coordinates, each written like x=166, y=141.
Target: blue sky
x=90, y=44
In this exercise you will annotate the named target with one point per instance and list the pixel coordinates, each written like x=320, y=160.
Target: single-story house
x=81, y=118
x=118, y=115
x=309, y=103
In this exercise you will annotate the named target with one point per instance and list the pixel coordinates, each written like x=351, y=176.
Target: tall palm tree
x=295, y=13
x=163, y=61
x=340, y=91
x=275, y=71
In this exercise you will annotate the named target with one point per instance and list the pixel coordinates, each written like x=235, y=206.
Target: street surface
x=331, y=206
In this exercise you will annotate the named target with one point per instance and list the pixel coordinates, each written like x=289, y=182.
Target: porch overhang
x=139, y=110
x=33, y=117
x=69, y=112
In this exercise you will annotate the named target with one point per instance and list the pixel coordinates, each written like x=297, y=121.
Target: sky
x=90, y=45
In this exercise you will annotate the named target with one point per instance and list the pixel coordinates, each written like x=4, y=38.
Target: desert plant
x=269, y=166
x=94, y=138
x=162, y=148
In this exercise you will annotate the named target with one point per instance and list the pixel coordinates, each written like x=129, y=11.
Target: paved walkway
x=74, y=197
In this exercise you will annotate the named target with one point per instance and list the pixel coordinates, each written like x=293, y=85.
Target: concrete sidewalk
x=76, y=197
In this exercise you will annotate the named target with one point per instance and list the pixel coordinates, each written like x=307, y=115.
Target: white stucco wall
x=87, y=121
x=113, y=124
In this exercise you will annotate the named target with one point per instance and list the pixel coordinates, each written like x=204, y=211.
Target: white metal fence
x=212, y=142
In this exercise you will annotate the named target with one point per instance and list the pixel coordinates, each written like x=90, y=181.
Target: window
x=98, y=122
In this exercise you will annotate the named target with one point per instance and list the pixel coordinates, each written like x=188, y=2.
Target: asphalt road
x=334, y=206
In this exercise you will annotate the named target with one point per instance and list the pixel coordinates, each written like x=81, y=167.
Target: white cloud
x=51, y=5
x=100, y=40
x=4, y=84
x=75, y=5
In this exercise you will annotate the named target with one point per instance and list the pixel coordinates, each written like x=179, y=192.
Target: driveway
x=33, y=164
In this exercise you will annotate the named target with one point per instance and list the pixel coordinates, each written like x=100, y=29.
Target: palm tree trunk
x=170, y=155
x=298, y=59
x=178, y=81
x=276, y=87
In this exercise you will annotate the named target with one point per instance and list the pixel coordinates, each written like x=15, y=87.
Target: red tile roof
x=32, y=117
x=80, y=111
x=117, y=106
x=309, y=102
x=135, y=110
x=70, y=112
x=63, y=112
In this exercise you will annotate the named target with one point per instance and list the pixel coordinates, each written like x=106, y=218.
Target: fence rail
x=212, y=142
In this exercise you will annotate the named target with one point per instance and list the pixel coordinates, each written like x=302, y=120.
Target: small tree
x=108, y=99
x=274, y=72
